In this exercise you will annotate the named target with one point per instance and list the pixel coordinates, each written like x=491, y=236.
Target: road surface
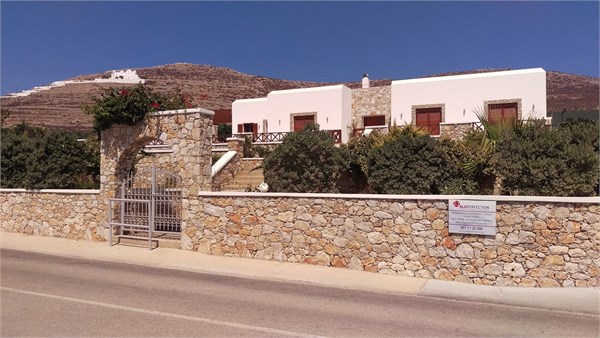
x=44, y=295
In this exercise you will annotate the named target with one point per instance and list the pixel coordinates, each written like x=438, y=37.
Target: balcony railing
x=278, y=137
x=366, y=131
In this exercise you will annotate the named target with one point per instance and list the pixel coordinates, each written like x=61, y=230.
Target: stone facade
x=53, y=213
x=455, y=130
x=538, y=244
x=371, y=101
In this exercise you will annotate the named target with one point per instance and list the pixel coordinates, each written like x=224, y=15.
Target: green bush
x=306, y=161
x=409, y=164
x=533, y=160
x=37, y=158
x=128, y=105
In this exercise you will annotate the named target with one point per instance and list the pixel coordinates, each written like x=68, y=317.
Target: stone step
x=142, y=242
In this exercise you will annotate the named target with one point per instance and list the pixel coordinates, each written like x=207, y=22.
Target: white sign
x=472, y=217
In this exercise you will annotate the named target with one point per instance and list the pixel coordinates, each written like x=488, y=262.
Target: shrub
x=533, y=160
x=36, y=158
x=128, y=105
x=306, y=161
x=410, y=165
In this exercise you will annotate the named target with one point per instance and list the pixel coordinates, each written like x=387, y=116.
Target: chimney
x=365, y=80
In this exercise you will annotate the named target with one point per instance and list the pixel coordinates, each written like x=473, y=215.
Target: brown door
x=502, y=112
x=302, y=121
x=429, y=119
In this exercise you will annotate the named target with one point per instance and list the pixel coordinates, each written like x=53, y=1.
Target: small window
x=300, y=122
x=248, y=128
x=502, y=112
x=374, y=121
x=429, y=119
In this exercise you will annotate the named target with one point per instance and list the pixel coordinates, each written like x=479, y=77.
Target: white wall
x=463, y=94
x=249, y=111
x=332, y=105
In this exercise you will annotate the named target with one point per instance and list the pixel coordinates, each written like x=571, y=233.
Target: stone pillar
x=236, y=144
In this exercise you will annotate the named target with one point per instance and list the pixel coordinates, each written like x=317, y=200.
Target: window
x=502, y=112
x=247, y=128
x=374, y=121
x=302, y=121
x=429, y=119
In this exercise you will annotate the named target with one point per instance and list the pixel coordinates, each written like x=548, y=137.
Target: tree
x=306, y=161
x=128, y=105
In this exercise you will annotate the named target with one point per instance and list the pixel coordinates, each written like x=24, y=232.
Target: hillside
x=216, y=87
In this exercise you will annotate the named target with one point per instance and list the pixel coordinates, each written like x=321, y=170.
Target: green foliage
x=533, y=160
x=412, y=165
x=215, y=157
x=36, y=158
x=128, y=105
x=252, y=150
x=224, y=130
x=306, y=161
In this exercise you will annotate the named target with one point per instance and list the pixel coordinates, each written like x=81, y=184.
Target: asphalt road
x=45, y=295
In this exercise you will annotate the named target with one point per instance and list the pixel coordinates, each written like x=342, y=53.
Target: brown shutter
x=240, y=128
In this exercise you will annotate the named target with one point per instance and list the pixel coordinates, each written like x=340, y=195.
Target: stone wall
x=54, y=213
x=370, y=101
x=455, y=130
x=545, y=243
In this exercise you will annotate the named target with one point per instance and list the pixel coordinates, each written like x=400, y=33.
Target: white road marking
x=161, y=313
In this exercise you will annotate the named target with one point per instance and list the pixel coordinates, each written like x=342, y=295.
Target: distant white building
x=117, y=76
x=442, y=105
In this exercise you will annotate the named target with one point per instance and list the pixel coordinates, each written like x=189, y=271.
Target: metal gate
x=149, y=203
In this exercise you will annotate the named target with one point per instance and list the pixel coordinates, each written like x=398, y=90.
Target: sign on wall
x=472, y=217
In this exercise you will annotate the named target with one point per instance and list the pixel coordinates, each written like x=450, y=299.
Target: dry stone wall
x=455, y=130
x=52, y=213
x=538, y=244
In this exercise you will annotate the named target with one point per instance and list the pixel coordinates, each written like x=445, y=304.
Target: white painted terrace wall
x=332, y=105
x=464, y=94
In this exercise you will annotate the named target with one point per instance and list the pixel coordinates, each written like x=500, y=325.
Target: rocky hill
x=216, y=87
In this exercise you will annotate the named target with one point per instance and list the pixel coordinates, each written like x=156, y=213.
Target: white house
x=283, y=111
x=442, y=105
x=453, y=100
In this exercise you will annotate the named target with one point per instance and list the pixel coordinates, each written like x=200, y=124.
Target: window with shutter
x=502, y=112
x=302, y=121
x=429, y=119
x=374, y=121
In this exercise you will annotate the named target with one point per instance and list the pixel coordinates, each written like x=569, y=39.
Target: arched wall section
x=186, y=133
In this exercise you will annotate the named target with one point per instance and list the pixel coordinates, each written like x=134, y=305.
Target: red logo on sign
x=456, y=204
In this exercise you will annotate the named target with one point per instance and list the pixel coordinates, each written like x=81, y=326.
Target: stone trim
x=183, y=112
x=499, y=198
x=52, y=191
x=517, y=101
x=292, y=115
x=413, y=111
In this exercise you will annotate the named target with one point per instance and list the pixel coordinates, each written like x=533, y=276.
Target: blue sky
x=43, y=42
